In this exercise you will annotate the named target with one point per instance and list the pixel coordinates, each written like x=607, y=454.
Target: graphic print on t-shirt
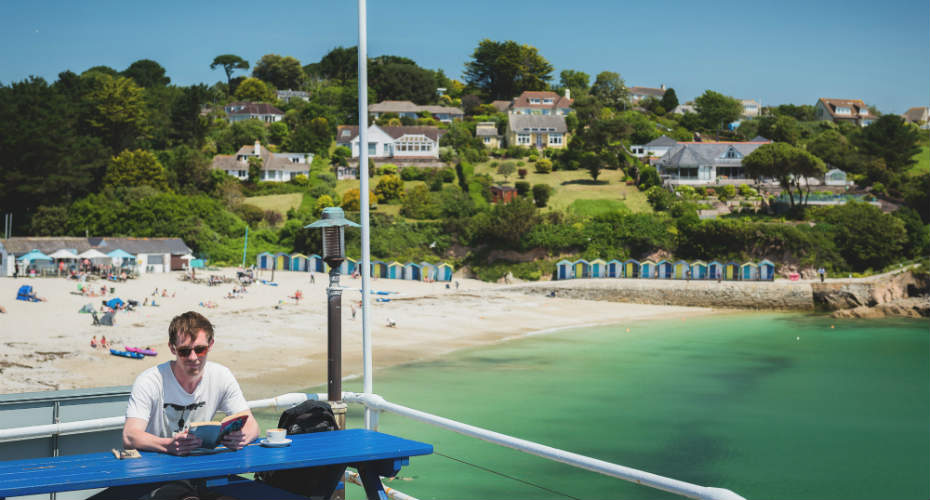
x=180, y=414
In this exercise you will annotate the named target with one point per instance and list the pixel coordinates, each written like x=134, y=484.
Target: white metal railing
x=377, y=404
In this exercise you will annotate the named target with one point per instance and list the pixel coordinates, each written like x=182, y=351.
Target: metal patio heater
x=333, y=223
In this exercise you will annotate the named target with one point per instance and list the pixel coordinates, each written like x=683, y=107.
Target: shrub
x=389, y=187
x=544, y=166
x=520, y=163
x=388, y=169
x=412, y=174
x=727, y=192
x=745, y=191
x=659, y=198
x=522, y=187
x=272, y=217
x=648, y=178
x=541, y=194
x=521, y=173
x=251, y=214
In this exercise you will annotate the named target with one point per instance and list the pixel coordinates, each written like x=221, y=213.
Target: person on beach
x=311, y=279
x=353, y=310
x=822, y=272
x=166, y=398
x=103, y=342
x=93, y=342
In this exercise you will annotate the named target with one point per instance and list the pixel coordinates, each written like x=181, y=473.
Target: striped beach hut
x=316, y=263
x=614, y=268
x=714, y=270
x=682, y=270
x=428, y=271
x=582, y=268
x=664, y=269
x=379, y=269
x=598, y=268
x=395, y=271
x=412, y=271
x=749, y=271
x=265, y=260
x=299, y=262
x=564, y=270
x=631, y=268
x=647, y=269
x=731, y=271
x=699, y=270
x=766, y=270
x=444, y=272
x=349, y=266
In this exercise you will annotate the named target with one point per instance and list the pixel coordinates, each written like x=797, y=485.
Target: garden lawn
x=280, y=203
x=923, y=162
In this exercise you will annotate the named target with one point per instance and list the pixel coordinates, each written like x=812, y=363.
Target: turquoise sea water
x=767, y=405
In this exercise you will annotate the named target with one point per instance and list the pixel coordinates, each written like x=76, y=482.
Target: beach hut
x=598, y=268
x=264, y=260
x=582, y=268
x=647, y=269
x=731, y=271
x=766, y=270
x=412, y=271
x=283, y=261
x=299, y=262
x=714, y=270
x=699, y=270
x=664, y=270
x=316, y=263
x=614, y=269
x=395, y=271
x=564, y=270
x=349, y=266
x=379, y=269
x=122, y=258
x=631, y=268
x=682, y=270
x=444, y=272
x=428, y=271
x=749, y=271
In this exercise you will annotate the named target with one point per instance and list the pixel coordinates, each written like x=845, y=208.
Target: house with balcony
x=698, y=163
x=542, y=103
x=487, y=132
x=276, y=167
x=262, y=111
x=655, y=148
x=537, y=131
x=639, y=93
x=443, y=114
x=399, y=145
x=287, y=95
x=844, y=111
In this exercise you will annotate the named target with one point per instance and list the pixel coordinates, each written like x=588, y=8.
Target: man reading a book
x=166, y=399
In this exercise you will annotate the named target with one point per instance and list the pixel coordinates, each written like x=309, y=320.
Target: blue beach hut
x=631, y=268
x=444, y=272
x=349, y=265
x=412, y=271
x=564, y=270
x=647, y=269
x=714, y=270
x=699, y=270
x=428, y=271
x=731, y=271
x=682, y=270
x=265, y=260
x=766, y=270
x=598, y=268
x=664, y=269
x=299, y=262
x=749, y=271
x=316, y=263
x=582, y=268
x=614, y=268
x=395, y=271
x=379, y=269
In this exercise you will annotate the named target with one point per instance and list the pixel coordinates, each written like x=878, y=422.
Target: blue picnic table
x=372, y=453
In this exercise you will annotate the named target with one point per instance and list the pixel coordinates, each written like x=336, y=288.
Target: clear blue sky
x=777, y=52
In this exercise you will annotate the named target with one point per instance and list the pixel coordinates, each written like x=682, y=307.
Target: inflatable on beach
x=126, y=354
x=145, y=352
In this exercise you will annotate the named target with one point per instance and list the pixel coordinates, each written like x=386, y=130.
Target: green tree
x=188, y=169
x=834, y=148
x=541, y=194
x=575, y=81
x=789, y=165
x=502, y=70
x=351, y=200
x=716, y=110
x=892, y=139
x=230, y=63
x=865, y=236
x=255, y=169
x=610, y=90
x=389, y=187
x=918, y=233
x=136, y=168
x=278, y=132
x=420, y=203
x=187, y=124
x=314, y=137
x=506, y=169
x=281, y=72
x=510, y=221
x=403, y=82
x=117, y=111
x=780, y=128
x=669, y=100
x=147, y=73
x=592, y=163
x=340, y=64
x=253, y=89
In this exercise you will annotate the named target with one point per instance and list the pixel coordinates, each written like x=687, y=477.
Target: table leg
x=371, y=473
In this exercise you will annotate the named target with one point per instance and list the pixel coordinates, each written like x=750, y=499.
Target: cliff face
x=892, y=295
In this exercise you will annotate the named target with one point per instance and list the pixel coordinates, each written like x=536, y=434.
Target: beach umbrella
x=92, y=254
x=120, y=254
x=33, y=255
x=64, y=254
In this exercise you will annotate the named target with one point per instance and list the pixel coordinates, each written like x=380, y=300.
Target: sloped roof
x=558, y=101
x=543, y=123
x=647, y=91
x=433, y=133
x=409, y=107
x=918, y=114
x=270, y=161
x=501, y=106
x=662, y=141
x=49, y=244
x=695, y=154
x=858, y=108
x=252, y=108
x=486, y=129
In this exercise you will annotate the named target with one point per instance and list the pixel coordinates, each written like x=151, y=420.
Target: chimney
x=258, y=148
x=568, y=93
x=662, y=86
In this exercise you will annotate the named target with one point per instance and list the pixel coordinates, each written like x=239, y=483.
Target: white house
x=844, y=110
x=240, y=111
x=751, y=108
x=396, y=143
x=542, y=103
x=655, y=148
x=406, y=108
x=639, y=93
x=276, y=167
x=287, y=95
x=706, y=162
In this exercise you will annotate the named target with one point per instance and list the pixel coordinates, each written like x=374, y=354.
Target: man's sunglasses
x=184, y=352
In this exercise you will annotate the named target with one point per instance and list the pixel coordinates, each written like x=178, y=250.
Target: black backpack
x=316, y=482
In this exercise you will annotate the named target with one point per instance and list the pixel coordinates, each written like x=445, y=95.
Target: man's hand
x=182, y=444
x=235, y=440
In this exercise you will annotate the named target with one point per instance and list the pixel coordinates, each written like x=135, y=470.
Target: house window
x=243, y=173
x=346, y=133
x=534, y=101
x=732, y=154
x=487, y=140
x=523, y=139
x=295, y=159
x=842, y=111
x=372, y=148
x=547, y=101
x=555, y=139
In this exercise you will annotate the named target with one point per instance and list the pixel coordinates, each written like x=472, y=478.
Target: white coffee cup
x=276, y=435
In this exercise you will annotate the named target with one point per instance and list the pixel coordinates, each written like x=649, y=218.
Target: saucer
x=275, y=444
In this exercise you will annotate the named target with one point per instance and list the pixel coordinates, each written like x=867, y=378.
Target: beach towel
x=114, y=303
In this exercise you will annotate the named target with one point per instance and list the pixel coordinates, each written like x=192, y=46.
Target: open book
x=212, y=433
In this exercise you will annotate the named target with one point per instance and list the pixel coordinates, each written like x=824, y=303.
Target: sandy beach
x=271, y=343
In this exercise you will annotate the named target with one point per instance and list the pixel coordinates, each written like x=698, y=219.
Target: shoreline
x=45, y=345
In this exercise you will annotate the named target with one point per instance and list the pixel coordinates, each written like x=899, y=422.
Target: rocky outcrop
x=916, y=307
x=871, y=292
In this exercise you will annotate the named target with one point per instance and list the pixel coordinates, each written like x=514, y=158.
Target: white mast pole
x=363, y=198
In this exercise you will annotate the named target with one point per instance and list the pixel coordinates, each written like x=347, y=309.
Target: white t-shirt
x=159, y=399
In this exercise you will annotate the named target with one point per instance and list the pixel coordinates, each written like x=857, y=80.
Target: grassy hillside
x=280, y=203
x=923, y=162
